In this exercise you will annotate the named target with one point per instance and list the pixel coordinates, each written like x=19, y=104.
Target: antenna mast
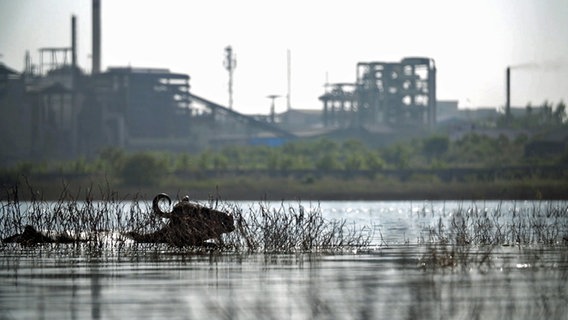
x=230, y=64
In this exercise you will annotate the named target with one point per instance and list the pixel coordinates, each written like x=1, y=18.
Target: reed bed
x=102, y=224
x=469, y=236
x=464, y=237
x=293, y=229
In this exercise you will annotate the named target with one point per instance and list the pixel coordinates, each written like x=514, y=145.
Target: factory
x=385, y=93
x=56, y=110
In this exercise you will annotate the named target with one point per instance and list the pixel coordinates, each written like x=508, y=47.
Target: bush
x=142, y=169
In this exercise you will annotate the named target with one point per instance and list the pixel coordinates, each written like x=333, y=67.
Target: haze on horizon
x=472, y=43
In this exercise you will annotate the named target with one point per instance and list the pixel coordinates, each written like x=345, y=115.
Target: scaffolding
x=385, y=93
x=54, y=58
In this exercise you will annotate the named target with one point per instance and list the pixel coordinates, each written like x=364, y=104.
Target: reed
x=102, y=224
x=469, y=236
x=293, y=229
x=465, y=237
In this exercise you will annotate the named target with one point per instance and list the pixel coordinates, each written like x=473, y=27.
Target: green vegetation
x=547, y=115
x=471, y=150
x=471, y=165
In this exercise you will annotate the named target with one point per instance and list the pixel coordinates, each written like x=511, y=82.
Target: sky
x=471, y=41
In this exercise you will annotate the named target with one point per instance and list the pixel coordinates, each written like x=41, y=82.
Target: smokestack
x=74, y=42
x=508, y=93
x=96, y=55
x=432, y=99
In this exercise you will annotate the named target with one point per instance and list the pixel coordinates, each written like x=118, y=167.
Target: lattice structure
x=385, y=93
x=54, y=58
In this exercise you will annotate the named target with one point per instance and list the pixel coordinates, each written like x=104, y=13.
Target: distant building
x=64, y=113
x=396, y=94
x=15, y=127
x=301, y=121
x=447, y=110
x=140, y=107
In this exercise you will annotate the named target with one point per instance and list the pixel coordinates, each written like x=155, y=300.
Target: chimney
x=74, y=42
x=96, y=55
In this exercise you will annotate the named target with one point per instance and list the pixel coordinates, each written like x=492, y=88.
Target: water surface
x=389, y=280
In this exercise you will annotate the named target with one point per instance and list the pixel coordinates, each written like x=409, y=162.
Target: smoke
x=526, y=65
x=548, y=65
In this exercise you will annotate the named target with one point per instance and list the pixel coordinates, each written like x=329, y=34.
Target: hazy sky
x=472, y=43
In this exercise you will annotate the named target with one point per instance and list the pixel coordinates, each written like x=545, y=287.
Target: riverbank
x=267, y=188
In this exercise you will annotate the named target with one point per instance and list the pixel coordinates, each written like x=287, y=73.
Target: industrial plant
x=384, y=93
x=55, y=110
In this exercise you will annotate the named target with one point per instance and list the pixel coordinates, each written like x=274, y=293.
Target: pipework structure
x=385, y=93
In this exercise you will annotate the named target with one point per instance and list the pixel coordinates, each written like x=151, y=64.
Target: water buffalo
x=189, y=224
x=31, y=236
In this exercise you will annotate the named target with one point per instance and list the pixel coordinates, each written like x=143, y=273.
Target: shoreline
x=251, y=189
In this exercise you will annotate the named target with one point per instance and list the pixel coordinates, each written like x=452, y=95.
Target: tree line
x=437, y=151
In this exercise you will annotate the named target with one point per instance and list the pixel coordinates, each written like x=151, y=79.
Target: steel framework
x=385, y=93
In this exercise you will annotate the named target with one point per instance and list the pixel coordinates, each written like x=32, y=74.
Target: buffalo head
x=191, y=223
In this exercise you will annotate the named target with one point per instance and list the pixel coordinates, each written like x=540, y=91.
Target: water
x=390, y=281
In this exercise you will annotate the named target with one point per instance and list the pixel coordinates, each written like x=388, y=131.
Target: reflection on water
x=386, y=282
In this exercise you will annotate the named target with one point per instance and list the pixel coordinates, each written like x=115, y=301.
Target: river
x=399, y=275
